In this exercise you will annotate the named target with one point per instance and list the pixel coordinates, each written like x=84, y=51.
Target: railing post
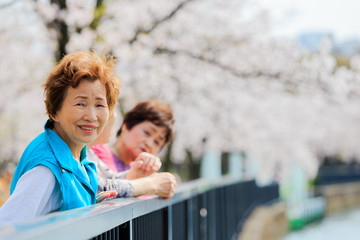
x=203, y=212
x=131, y=229
x=170, y=223
x=190, y=220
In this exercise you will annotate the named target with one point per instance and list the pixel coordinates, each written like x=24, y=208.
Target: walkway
x=340, y=226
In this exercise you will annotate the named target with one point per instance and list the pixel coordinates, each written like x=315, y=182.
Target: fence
x=338, y=174
x=200, y=209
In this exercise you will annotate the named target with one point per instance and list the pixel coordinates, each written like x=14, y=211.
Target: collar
x=62, y=151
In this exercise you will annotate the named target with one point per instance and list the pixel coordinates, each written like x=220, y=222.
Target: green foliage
x=99, y=12
x=189, y=170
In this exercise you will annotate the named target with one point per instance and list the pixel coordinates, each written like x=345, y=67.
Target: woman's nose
x=90, y=114
x=148, y=144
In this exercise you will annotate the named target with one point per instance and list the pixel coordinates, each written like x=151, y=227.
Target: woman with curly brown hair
x=53, y=173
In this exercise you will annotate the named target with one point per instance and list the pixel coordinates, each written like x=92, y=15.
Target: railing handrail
x=87, y=222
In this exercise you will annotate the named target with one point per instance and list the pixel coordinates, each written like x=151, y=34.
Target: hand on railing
x=144, y=165
x=162, y=184
x=165, y=184
x=106, y=194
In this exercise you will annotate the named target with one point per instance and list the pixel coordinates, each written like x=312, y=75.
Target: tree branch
x=215, y=63
x=99, y=12
x=158, y=22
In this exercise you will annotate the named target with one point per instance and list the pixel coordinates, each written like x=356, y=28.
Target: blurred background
x=264, y=87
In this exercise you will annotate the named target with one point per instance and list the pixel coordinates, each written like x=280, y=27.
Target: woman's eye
x=80, y=104
x=156, y=142
x=100, y=105
x=147, y=133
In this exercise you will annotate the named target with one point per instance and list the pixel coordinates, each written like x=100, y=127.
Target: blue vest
x=77, y=188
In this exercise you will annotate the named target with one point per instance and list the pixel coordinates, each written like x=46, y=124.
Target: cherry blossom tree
x=27, y=56
x=227, y=79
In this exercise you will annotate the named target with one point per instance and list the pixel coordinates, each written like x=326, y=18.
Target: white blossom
x=227, y=80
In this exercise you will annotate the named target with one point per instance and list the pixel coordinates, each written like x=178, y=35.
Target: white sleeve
x=36, y=193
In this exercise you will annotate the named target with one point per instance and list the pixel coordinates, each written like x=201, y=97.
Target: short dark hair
x=154, y=111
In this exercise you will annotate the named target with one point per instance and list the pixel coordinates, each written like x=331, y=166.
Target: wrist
x=152, y=183
x=144, y=186
x=131, y=175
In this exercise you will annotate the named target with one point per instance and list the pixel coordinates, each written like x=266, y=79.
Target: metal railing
x=200, y=209
x=338, y=174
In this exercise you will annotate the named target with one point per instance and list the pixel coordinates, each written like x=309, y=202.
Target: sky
x=293, y=17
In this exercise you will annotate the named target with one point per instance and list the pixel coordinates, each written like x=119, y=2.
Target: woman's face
x=83, y=115
x=143, y=137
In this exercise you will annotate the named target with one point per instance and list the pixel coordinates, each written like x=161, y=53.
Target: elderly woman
x=53, y=173
x=146, y=129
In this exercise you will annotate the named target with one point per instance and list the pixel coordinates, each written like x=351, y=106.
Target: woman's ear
x=54, y=117
x=122, y=130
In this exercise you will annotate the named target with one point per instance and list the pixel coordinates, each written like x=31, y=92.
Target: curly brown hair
x=74, y=68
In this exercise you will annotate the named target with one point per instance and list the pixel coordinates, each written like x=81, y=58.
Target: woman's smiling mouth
x=87, y=128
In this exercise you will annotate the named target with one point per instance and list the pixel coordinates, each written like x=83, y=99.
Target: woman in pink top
x=146, y=129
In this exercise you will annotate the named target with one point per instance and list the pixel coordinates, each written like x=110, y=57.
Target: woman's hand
x=165, y=184
x=162, y=184
x=106, y=194
x=144, y=165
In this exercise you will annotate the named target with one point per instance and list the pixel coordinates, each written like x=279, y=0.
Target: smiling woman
x=53, y=173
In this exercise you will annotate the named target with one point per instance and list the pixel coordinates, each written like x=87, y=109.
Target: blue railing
x=200, y=209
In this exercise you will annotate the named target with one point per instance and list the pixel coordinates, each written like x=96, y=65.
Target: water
x=343, y=225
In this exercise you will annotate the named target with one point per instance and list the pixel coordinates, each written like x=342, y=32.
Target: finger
x=146, y=163
x=138, y=164
x=147, y=158
x=144, y=156
x=157, y=164
x=112, y=193
x=174, y=183
x=103, y=195
x=150, y=164
x=169, y=195
x=98, y=197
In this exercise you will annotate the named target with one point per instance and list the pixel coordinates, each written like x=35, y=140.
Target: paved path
x=343, y=226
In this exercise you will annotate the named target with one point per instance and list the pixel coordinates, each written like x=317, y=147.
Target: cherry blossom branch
x=158, y=22
x=215, y=63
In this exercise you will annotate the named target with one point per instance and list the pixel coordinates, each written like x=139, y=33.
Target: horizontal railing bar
x=87, y=222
